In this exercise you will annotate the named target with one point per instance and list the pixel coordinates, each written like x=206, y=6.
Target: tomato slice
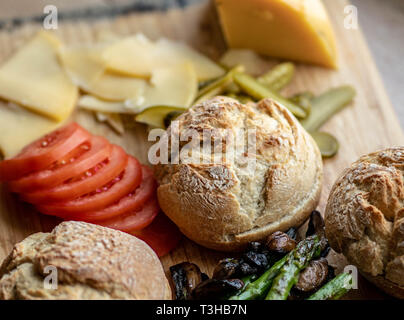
x=162, y=235
x=129, y=203
x=92, y=179
x=134, y=220
x=41, y=153
x=81, y=159
x=100, y=197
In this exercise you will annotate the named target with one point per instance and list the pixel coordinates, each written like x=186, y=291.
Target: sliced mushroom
x=227, y=268
x=313, y=276
x=216, y=289
x=280, y=242
x=186, y=277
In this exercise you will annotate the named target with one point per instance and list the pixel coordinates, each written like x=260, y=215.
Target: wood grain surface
x=368, y=125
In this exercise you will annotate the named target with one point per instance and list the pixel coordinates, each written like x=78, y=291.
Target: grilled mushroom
x=280, y=242
x=313, y=276
x=186, y=277
x=215, y=289
x=227, y=268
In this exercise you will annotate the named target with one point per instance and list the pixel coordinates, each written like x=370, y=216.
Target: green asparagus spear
x=256, y=90
x=258, y=288
x=334, y=289
x=289, y=273
x=278, y=77
x=324, y=106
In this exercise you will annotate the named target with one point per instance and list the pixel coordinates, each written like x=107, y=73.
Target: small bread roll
x=364, y=218
x=92, y=262
x=224, y=204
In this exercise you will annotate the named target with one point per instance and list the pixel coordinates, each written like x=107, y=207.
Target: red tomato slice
x=162, y=235
x=96, y=177
x=81, y=159
x=43, y=152
x=101, y=197
x=134, y=220
x=129, y=203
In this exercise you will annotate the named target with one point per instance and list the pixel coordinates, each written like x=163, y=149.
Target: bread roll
x=364, y=218
x=225, y=205
x=92, y=262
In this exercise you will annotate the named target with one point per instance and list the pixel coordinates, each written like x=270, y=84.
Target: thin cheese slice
x=252, y=62
x=84, y=65
x=170, y=86
x=19, y=127
x=86, y=68
x=114, y=120
x=92, y=103
x=175, y=85
x=138, y=56
x=34, y=78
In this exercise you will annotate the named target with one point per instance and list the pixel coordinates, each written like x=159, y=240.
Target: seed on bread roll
x=91, y=262
x=364, y=218
x=223, y=205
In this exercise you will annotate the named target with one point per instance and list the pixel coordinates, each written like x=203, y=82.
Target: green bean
x=258, y=288
x=334, y=289
x=324, y=106
x=256, y=90
x=278, y=77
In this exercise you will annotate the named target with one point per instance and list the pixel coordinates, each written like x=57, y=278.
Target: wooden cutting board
x=368, y=125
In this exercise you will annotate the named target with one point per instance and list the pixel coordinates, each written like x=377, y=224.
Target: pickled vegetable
x=327, y=143
x=218, y=86
x=324, y=106
x=258, y=91
x=278, y=77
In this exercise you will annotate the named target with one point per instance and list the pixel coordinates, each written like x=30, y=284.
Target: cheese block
x=291, y=29
x=34, y=78
x=87, y=69
x=19, y=127
x=138, y=56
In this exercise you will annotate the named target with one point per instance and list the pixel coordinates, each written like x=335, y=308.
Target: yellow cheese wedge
x=138, y=56
x=291, y=29
x=19, y=127
x=34, y=78
x=86, y=68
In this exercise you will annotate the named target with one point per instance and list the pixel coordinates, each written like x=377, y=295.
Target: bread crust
x=92, y=262
x=364, y=218
x=225, y=205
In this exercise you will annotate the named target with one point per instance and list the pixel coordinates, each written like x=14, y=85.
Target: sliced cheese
x=175, y=85
x=114, y=120
x=86, y=68
x=92, y=103
x=138, y=56
x=291, y=29
x=84, y=65
x=34, y=78
x=19, y=127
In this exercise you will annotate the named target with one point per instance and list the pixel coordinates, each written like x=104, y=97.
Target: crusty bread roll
x=364, y=218
x=92, y=262
x=225, y=205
